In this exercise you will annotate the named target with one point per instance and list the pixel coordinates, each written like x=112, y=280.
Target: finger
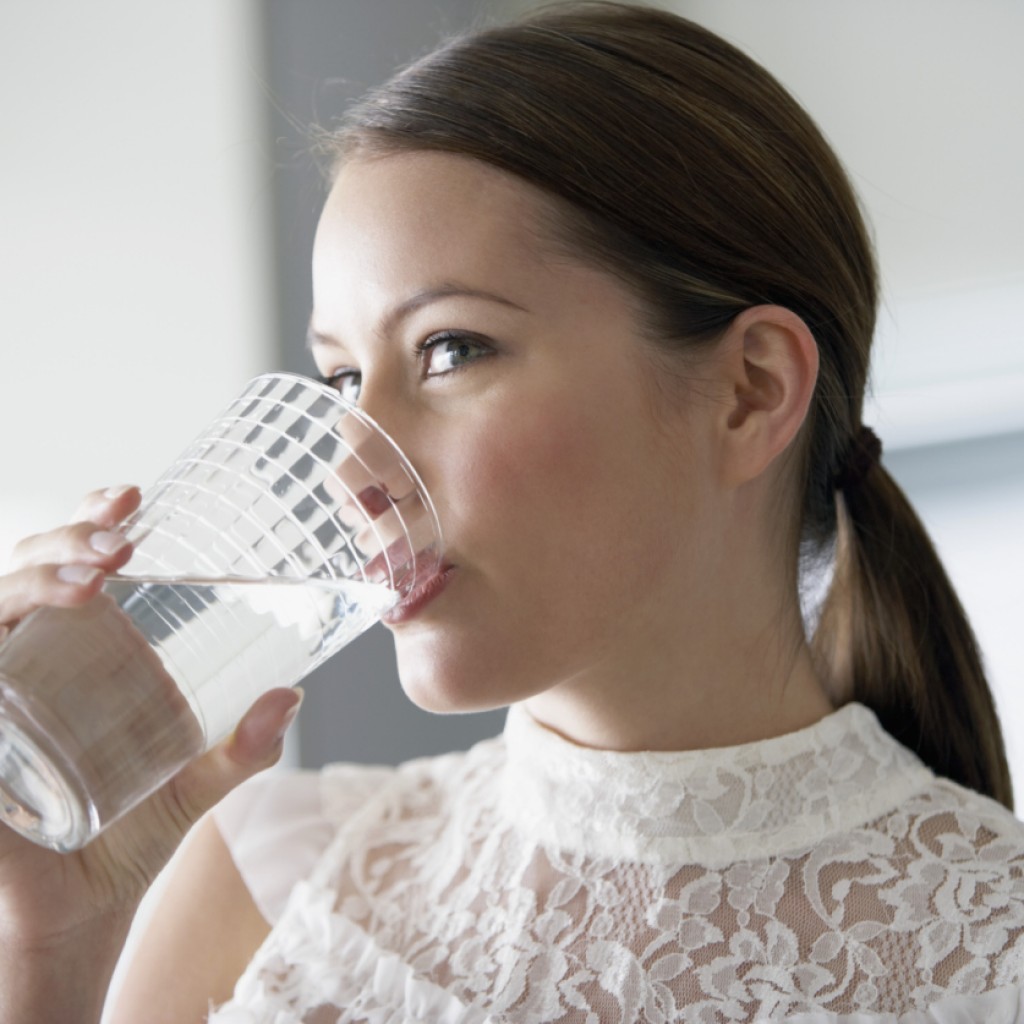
x=109, y=506
x=255, y=745
x=86, y=542
x=62, y=586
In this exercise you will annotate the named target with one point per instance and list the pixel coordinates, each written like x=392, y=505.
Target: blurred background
x=157, y=206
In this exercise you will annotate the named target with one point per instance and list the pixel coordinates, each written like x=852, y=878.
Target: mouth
x=419, y=597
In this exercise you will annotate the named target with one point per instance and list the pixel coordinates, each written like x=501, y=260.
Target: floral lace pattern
x=825, y=873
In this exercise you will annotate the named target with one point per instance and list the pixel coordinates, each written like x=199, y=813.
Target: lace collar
x=766, y=798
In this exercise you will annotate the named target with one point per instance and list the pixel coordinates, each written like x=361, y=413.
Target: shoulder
x=952, y=821
x=962, y=856
x=955, y=889
x=276, y=826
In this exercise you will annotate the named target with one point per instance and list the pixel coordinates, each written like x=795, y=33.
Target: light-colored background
x=156, y=209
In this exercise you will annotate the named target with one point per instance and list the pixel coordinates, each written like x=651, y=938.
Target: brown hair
x=686, y=169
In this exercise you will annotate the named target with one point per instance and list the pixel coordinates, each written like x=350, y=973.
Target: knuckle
x=183, y=804
x=22, y=551
x=75, y=540
x=64, y=544
x=88, y=506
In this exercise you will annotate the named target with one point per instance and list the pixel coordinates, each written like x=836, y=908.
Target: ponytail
x=895, y=637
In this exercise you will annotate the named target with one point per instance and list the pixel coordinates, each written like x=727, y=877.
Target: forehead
x=420, y=215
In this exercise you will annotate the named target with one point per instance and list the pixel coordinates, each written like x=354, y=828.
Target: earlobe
x=772, y=364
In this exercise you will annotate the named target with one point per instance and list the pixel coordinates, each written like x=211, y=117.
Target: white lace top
x=822, y=876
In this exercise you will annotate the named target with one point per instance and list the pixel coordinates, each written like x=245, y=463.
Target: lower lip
x=413, y=603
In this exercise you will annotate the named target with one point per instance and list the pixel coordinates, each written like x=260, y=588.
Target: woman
x=607, y=286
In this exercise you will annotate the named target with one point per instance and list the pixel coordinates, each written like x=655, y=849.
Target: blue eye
x=450, y=351
x=347, y=382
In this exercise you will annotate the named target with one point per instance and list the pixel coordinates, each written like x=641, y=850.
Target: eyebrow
x=415, y=302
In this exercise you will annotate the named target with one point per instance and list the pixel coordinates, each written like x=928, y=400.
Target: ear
x=770, y=366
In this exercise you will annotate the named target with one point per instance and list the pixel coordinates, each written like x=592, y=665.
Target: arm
x=203, y=932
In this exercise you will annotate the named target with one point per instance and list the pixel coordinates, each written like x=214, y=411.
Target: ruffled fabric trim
x=278, y=825
x=317, y=958
x=276, y=831
x=1005, y=1006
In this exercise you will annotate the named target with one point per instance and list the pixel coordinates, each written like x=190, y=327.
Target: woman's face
x=566, y=475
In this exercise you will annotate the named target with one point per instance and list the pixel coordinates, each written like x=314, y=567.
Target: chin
x=442, y=694
x=436, y=679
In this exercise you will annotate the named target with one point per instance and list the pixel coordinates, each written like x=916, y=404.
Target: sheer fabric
x=822, y=876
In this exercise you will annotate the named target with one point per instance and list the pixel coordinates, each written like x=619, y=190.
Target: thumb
x=255, y=744
x=258, y=738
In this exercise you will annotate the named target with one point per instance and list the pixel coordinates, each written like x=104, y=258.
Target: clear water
x=101, y=704
x=227, y=641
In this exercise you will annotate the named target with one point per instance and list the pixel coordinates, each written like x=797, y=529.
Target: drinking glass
x=284, y=531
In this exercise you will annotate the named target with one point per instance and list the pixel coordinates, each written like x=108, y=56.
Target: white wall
x=134, y=240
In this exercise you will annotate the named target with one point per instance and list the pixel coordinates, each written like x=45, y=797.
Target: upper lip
x=425, y=579
x=421, y=567
x=423, y=591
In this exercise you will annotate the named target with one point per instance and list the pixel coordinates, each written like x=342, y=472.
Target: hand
x=65, y=567
x=49, y=900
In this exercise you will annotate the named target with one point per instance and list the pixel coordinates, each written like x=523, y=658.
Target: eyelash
x=420, y=349
x=429, y=344
x=332, y=379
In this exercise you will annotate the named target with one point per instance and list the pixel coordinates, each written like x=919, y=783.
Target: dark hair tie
x=863, y=455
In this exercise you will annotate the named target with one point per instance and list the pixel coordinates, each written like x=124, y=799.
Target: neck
x=682, y=692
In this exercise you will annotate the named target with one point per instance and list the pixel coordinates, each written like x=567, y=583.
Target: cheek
x=568, y=495
x=529, y=470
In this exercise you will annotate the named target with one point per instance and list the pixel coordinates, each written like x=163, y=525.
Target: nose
x=394, y=414
x=382, y=502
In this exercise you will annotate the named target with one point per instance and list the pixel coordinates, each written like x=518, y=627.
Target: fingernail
x=81, y=575
x=115, y=492
x=106, y=542
x=290, y=714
